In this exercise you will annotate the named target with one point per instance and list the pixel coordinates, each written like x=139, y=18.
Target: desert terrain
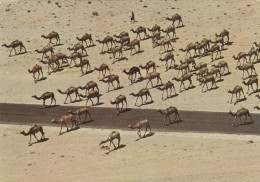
x=165, y=156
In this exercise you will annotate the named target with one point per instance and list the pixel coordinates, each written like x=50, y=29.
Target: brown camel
x=113, y=135
x=86, y=37
x=73, y=56
x=155, y=28
x=206, y=79
x=91, y=85
x=223, y=34
x=219, y=40
x=118, y=100
x=143, y=92
x=111, y=79
x=257, y=47
x=51, y=61
x=189, y=61
x=183, y=68
x=103, y=68
x=140, y=30
x=216, y=72
x=168, y=30
x=169, y=111
x=62, y=57
x=44, y=51
x=77, y=47
x=188, y=48
x=201, y=46
x=139, y=126
x=46, y=96
x=236, y=90
x=64, y=120
x=134, y=43
x=207, y=41
x=151, y=76
x=119, y=50
x=253, y=52
x=201, y=65
x=36, y=69
x=163, y=43
x=122, y=34
x=132, y=73
x=202, y=72
x=15, y=44
x=148, y=65
x=168, y=85
x=250, y=82
x=68, y=92
x=240, y=112
x=79, y=112
x=33, y=130
x=124, y=41
x=220, y=65
x=239, y=57
x=106, y=40
x=215, y=48
x=90, y=95
x=174, y=18
x=52, y=35
x=155, y=37
x=167, y=57
x=185, y=77
x=82, y=63
x=246, y=67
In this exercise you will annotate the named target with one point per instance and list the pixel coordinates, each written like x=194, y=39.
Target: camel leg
x=136, y=101
x=43, y=103
x=36, y=137
x=30, y=139
x=231, y=99
x=92, y=102
x=113, y=85
x=234, y=120
x=139, y=133
x=113, y=144
x=61, y=128
x=66, y=99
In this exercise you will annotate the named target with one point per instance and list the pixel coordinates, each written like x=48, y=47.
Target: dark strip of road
x=192, y=121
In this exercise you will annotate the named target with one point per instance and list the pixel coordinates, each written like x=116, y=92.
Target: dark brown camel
x=134, y=43
x=33, y=130
x=189, y=61
x=167, y=57
x=52, y=35
x=155, y=28
x=223, y=34
x=175, y=18
x=86, y=37
x=215, y=48
x=132, y=73
x=73, y=56
x=84, y=62
x=169, y=111
x=45, y=96
x=13, y=45
x=122, y=34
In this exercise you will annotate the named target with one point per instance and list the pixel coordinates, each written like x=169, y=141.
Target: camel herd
x=118, y=44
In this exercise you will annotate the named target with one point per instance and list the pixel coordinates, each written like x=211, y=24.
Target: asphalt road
x=192, y=121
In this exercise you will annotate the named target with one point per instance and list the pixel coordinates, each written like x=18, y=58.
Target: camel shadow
x=86, y=73
x=56, y=45
x=244, y=124
x=224, y=49
x=221, y=57
x=136, y=81
x=146, y=103
x=174, y=39
x=146, y=136
x=229, y=43
x=20, y=53
x=41, y=79
x=257, y=61
x=49, y=106
x=225, y=74
x=78, y=100
x=145, y=38
x=220, y=80
x=40, y=141
x=138, y=52
x=181, y=26
x=256, y=107
x=120, y=59
x=104, y=52
x=174, y=122
x=72, y=129
x=171, y=96
x=115, y=149
x=240, y=100
x=166, y=51
x=156, y=86
x=118, y=88
x=212, y=88
x=98, y=104
x=254, y=92
x=89, y=46
x=86, y=122
x=192, y=87
x=123, y=111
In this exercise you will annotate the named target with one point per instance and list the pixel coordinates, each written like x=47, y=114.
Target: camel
x=77, y=47
x=106, y=40
x=155, y=37
x=132, y=73
x=151, y=76
x=182, y=67
x=168, y=85
x=239, y=57
x=79, y=112
x=246, y=67
x=44, y=51
x=46, y=96
x=155, y=28
x=140, y=30
x=36, y=69
x=86, y=37
x=250, y=82
x=73, y=56
x=113, y=135
x=15, y=44
x=220, y=65
x=257, y=47
x=215, y=48
x=139, y=126
x=124, y=41
x=253, y=52
x=202, y=72
x=122, y=34
x=189, y=61
x=119, y=50
x=64, y=120
x=118, y=100
x=52, y=35
x=188, y=48
x=169, y=111
x=91, y=85
x=163, y=43
x=167, y=57
x=185, y=77
x=51, y=61
x=168, y=30
x=134, y=43
x=209, y=78
x=223, y=34
x=90, y=95
x=33, y=130
x=82, y=63
x=62, y=57
x=240, y=112
x=201, y=46
x=174, y=18
x=215, y=71
x=143, y=92
x=111, y=79
x=148, y=65
x=207, y=41
x=236, y=90
x=219, y=40
x=68, y=92
x=103, y=68
x=201, y=65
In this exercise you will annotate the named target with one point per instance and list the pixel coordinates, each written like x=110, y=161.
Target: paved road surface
x=210, y=122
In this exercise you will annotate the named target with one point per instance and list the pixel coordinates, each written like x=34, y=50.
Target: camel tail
x=30, y=71
x=60, y=91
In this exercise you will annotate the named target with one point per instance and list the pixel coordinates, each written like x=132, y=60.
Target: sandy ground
x=28, y=20
x=76, y=156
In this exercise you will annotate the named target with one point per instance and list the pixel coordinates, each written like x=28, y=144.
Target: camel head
x=258, y=96
x=230, y=112
x=4, y=45
x=130, y=126
x=124, y=71
x=238, y=67
x=132, y=93
x=229, y=91
x=53, y=121
x=34, y=96
x=70, y=111
x=23, y=132
x=167, y=18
